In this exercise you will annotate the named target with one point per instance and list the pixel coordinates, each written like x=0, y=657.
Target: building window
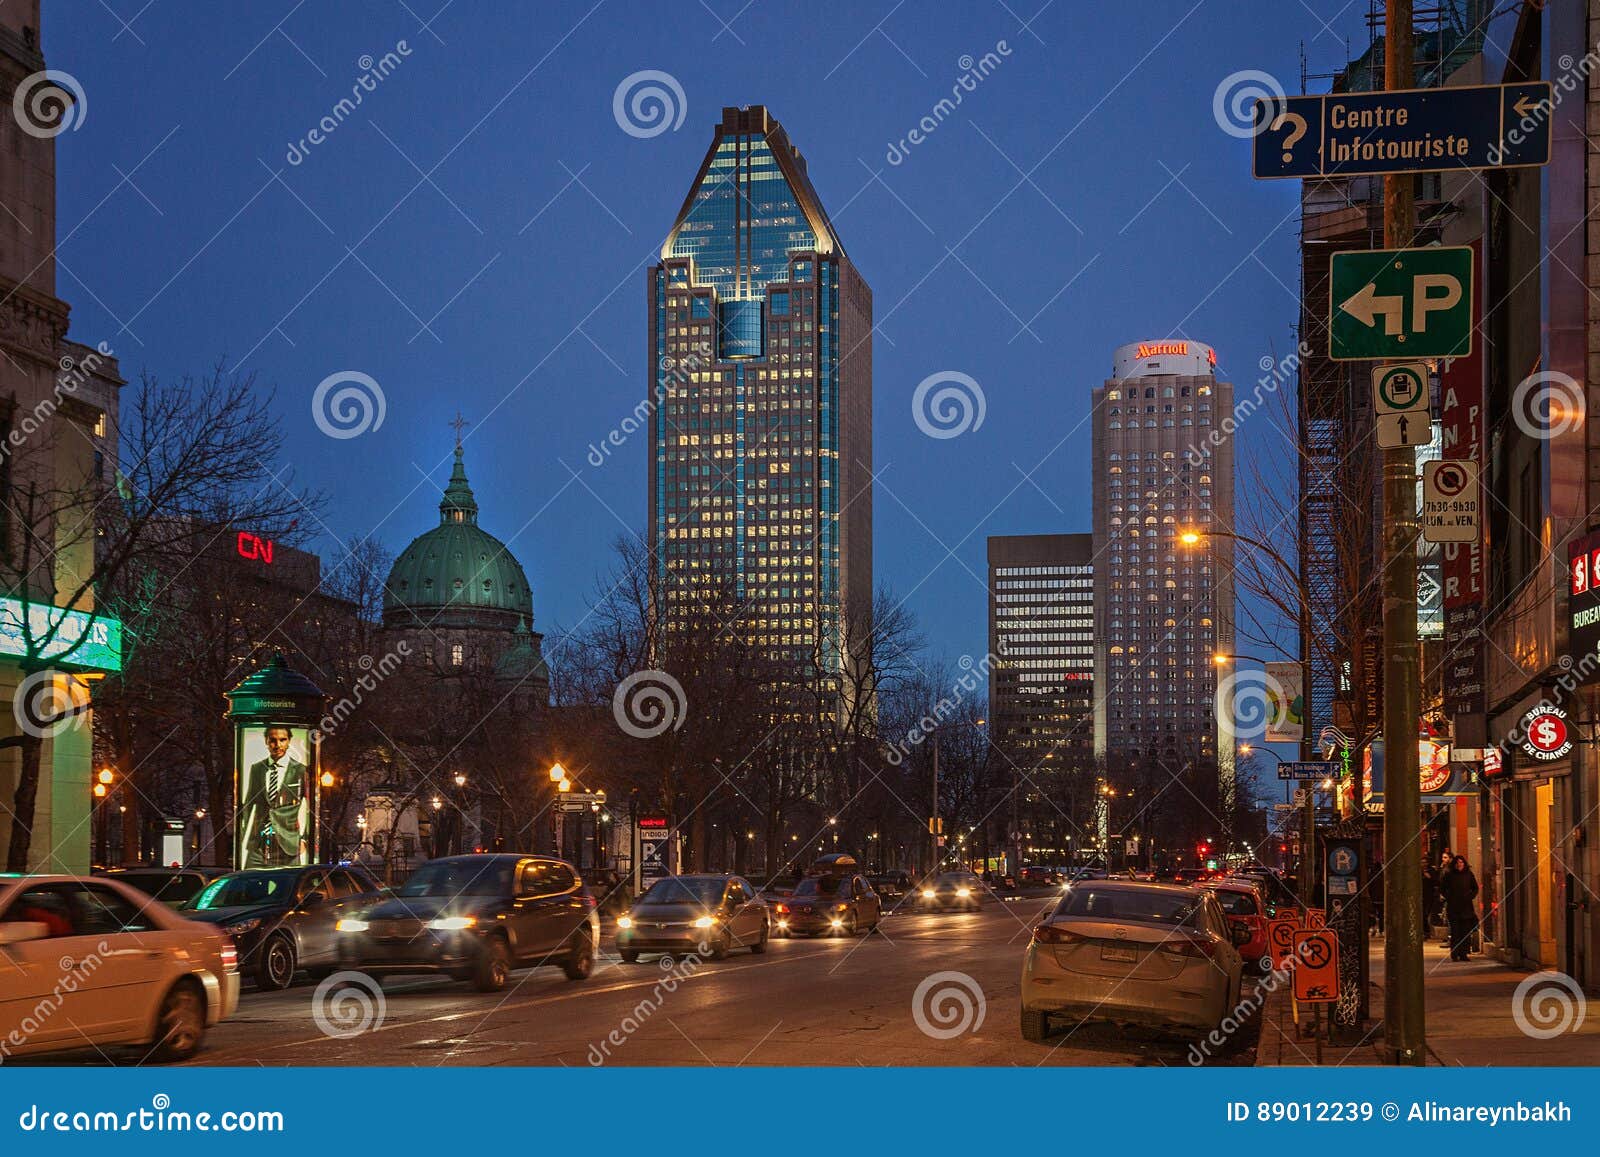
x=458, y=654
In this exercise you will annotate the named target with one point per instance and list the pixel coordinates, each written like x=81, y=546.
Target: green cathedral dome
x=457, y=574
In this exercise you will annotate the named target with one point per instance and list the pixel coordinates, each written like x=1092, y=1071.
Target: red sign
x=647, y=823
x=253, y=547
x=1545, y=734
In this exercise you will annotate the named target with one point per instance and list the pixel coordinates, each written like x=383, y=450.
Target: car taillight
x=1054, y=934
x=230, y=957
x=783, y=907
x=1198, y=947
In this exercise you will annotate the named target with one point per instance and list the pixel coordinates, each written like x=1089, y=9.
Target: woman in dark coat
x=1460, y=888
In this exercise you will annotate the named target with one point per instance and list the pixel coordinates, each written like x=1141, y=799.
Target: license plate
x=1119, y=954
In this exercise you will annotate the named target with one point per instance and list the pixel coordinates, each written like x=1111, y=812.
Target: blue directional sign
x=1306, y=769
x=1414, y=130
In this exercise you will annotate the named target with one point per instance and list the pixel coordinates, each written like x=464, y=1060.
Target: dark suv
x=476, y=918
x=282, y=919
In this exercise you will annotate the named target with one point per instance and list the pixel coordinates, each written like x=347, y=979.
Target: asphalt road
x=805, y=1002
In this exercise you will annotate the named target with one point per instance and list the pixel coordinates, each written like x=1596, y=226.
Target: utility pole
x=933, y=820
x=1402, y=813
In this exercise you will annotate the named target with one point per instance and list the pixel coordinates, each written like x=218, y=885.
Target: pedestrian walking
x=1460, y=890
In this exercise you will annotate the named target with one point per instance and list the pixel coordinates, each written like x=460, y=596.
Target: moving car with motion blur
x=1245, y=908
x=707, y=914
x=1159, y=955
x=92, y=962
x=837, y=901
x=960, y=890
x=283, y=919
x=477, y=918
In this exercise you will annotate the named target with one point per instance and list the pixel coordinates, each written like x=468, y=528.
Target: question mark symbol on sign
x=1298, y=131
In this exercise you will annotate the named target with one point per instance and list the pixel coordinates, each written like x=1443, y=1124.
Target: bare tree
x=196, y=454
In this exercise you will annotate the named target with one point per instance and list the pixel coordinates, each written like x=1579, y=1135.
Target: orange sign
x=1316, y=972
x=1280, y=938
x=1315, y=918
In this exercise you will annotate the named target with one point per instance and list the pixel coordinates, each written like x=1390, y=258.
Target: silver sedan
x=1131, y=953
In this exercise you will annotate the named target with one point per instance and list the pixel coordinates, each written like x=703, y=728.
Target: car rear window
x=1237, y=903
x=1136, y=904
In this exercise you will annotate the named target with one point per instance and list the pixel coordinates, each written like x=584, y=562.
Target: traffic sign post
x=1400, y=388
x=1280, y=939
x=1450, y=501
x=1316, y=968
x=1401, y=303
x=1418, y=130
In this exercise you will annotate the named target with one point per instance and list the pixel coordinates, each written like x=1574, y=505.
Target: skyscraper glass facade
x=760, y=348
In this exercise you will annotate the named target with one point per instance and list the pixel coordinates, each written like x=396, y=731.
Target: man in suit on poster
x=275, y=807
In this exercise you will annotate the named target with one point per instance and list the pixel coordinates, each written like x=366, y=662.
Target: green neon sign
x=76, y=638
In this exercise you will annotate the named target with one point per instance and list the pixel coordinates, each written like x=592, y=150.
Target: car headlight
x=705, y=922
x=963, y=892
x=624, y=921
x=841, y=907
x=351, y=924
x=927, y=893
x=243, y=926
x=452, y=923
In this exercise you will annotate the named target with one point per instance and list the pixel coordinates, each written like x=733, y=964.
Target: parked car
x=93, y=962
x=960, y=890
x=1154, y=954
x=174, y=887
x=838, y=903
x=1037, y=874
x=708, y=914
x=477, y=918
x=283, y=919
x=1244, y=907
x=1275, y=890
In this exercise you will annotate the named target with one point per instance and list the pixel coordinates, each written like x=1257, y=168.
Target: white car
x=88, y=962
x=1160, y=955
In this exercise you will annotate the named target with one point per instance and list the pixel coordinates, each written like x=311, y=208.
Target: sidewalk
x=1470, y=1021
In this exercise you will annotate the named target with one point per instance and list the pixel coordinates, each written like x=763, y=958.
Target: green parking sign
x=1401, y=303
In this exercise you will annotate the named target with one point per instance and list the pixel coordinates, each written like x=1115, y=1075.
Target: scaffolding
x=1340, y=550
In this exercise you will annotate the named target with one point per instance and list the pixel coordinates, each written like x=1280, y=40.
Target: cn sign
x=1546, y=734
x=254, y=547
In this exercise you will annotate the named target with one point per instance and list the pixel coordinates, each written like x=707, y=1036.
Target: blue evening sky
x=474, y=235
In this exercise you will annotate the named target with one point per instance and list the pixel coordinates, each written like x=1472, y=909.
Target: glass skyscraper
x=761, y=406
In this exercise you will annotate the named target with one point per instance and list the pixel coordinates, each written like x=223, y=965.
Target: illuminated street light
x=557, y=773
x=326, y=779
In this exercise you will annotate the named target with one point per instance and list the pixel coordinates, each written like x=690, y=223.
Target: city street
x=825, y=1001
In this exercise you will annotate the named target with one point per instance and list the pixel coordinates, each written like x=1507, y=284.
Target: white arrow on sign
x=1368, y=303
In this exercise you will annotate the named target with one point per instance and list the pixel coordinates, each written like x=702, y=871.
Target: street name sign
x=1305, y=769
x=1450, y=501
x=1417, y=130
x=1401, y=303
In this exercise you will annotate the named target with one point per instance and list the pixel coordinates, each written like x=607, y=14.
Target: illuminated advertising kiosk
x=276, y=755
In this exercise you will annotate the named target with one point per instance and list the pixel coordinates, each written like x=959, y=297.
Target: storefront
x=1533, y=831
